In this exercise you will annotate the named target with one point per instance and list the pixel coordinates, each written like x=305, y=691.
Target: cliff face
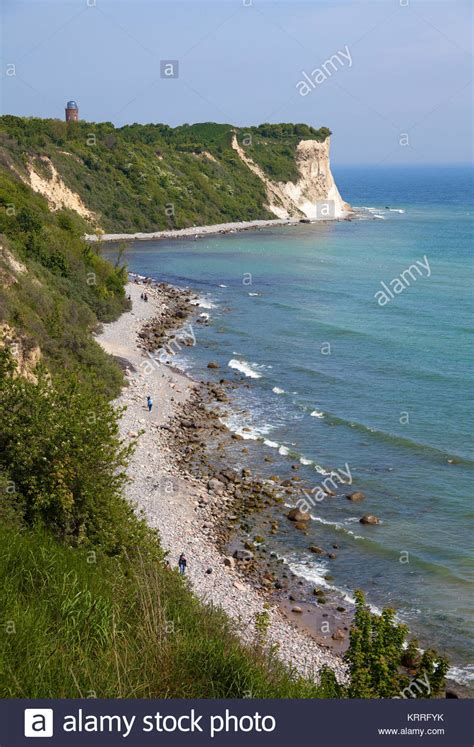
x=316, y=183
x=314, y=195
x=53, y=188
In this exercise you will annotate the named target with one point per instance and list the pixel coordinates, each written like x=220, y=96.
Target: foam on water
x=248, y=369
x=463, y=675
x=204, y=303
x=271, y=444
x=321, y=470
x=315, y=572
x=236, y=423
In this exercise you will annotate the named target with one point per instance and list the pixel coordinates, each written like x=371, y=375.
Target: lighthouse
x=72, y=111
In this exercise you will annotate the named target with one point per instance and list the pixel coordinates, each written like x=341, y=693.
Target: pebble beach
x=171, y=498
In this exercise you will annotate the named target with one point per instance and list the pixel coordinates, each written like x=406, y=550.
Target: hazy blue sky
x=406, y=68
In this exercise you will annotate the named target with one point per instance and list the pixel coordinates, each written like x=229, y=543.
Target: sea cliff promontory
x=153, y=178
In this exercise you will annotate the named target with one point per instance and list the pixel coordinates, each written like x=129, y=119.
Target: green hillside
x=150, y=177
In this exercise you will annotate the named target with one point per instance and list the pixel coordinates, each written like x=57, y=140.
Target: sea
x=355, y=340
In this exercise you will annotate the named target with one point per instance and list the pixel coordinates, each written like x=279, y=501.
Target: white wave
x=315, y=572
x=396, y=210
x=221, y=285
x=179, y=362
x=277, y=390
x=303, y=460
x=321, y=470
x=254, y=294
x=204, y=316
x=381, y=217
x=271, y=444
x=317, y=414
x=242, y=427
x=248, y=369
x=283, y=450
x=463, y=675
x=335, y=524
x=204, y=303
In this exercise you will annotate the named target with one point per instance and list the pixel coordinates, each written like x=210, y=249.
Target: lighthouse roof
x=72, y=105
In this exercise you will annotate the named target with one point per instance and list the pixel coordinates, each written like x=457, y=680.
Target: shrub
x=376, y=655
x=60, y=446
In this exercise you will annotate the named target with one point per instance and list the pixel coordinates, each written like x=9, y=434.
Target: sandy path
x=169, y=499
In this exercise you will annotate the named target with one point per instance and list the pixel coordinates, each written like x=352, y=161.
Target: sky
x=392, y=79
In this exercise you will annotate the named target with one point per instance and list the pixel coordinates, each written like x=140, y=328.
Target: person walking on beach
x=182, y=564
x=149, y=402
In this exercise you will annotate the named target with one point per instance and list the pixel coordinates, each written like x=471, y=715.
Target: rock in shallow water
x=296, y=514
x=356, y=497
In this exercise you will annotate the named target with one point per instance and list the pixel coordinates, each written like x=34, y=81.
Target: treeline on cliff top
x=89, y=607
x=152, y=177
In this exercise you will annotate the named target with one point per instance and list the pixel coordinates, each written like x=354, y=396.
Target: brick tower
x=72, y=111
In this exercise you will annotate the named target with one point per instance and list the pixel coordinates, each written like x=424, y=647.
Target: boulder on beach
x=317, y=550
x=213, y=364
x=296, y=514
x=216, y=486
x=229, y=562
x=296, y=609
x=357, y=496
x=338, y=635
x=243, y=555
x=369, y=519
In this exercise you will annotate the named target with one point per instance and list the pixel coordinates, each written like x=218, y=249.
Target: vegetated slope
x=54, y=288
x=150, y=177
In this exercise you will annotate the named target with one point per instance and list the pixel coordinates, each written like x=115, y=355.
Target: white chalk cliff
x=315, y=184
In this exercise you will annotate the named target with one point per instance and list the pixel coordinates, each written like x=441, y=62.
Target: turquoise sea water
x=337, y=379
